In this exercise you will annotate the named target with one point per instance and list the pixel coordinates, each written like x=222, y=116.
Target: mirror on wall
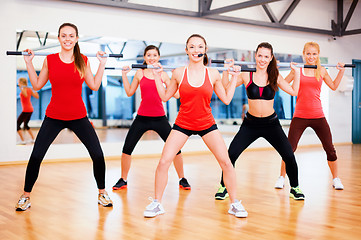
x=109, y=109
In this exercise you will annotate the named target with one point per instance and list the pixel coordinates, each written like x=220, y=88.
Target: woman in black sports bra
x=261, y=119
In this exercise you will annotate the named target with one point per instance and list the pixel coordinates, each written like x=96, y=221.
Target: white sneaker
x=153, y=209
x=280, y=183
x=21, y=143
x=238, y=210
x=337, y=184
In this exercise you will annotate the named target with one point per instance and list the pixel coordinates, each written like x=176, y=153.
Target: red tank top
x=308, y=103
x=66, y=102
x=26, y=101
x=195, y=112
x=151, y=104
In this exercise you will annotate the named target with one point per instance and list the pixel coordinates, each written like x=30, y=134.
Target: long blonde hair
x=318, y=62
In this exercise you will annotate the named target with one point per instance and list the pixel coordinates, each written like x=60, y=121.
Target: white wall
x=116, y=22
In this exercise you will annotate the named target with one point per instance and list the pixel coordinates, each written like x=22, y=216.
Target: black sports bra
x=256, y=92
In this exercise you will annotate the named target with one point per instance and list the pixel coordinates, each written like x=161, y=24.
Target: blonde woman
x=308, y=111
x=25, y=99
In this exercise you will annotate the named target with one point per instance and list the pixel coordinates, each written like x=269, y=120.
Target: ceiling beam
x=349, y=15
x=237, y=6
x=205, y=5
x=289, y=11
x=141, y=7
x=270, y=13
x=272, y=25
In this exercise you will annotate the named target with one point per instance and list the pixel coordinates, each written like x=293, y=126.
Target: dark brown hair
x=205, y=59
x=150, y=47
x=272, y=69
x=78, y=59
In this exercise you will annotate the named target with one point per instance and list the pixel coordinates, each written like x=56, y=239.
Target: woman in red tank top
x=195, y=84
x=151, y=116
x=66, y=72
x=309, y=113
x=25, y=98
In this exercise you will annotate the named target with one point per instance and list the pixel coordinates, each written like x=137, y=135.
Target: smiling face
x=311, y=55
x=68, y=37
x=196, y=46
x=263, y=57
x=151, y=57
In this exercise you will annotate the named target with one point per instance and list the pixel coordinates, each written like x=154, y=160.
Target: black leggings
x=48, y=132
x=24, y=117
x=142, y=124
x=269, y=128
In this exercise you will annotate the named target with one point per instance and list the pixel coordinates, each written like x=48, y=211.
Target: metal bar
x=153, y=9
x=281, y=64
x=16, y=53
x=270, y=13
x=37, y=34
x=107, y=45
x=200, y=7
x=142, y=7
x=19, y=40
x=289, y=11
x=269, y=24
x=237, y=6
x=174, y=67
x=208, y=4
x=121, y=51
x=169, y=68
x=338, y=26
x=349, y=15
x=352, y=32
x=45, y=38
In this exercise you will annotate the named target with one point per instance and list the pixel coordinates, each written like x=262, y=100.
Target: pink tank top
x=195, y=112
x=308, y=103
x=151, y=104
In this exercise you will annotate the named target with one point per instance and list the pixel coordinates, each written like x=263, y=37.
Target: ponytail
x=79, y=61
x=205, y=59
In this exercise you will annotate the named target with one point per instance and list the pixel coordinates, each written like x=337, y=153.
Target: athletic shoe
x=183, y=183
x=280, y=183
x=296, y=193
x=221, y=193
x=23, y=203
x=104, y=199
x=238, y=210
x=21, y=143
x=121, y=184
x=153, y=209
x=337, y=184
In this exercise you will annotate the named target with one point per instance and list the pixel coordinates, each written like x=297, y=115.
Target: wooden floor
x=64, y=201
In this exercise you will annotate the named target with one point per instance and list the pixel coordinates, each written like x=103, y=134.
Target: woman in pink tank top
x=151, y=116
x=195, y=84
x=308, y=111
